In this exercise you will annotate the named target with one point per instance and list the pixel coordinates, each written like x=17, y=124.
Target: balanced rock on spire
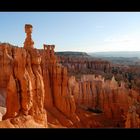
x=29, y=43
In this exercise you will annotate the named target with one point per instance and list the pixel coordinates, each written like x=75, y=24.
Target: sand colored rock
x=2, y=112
x=21, y=122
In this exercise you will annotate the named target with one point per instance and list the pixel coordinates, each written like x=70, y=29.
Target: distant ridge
x=116, y=54
x=73, y=53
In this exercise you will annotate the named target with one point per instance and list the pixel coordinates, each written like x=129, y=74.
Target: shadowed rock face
x=118, y=104
x=33, y=81
x=36, y=82
x=57, y=96
x=6, y=62
x=25, y=87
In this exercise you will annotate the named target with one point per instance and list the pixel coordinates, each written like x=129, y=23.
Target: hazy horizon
x=74, y=31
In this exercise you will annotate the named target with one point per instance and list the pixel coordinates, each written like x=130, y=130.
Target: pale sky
x=74, y=31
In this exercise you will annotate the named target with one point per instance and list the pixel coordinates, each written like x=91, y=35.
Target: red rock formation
x=6, y=70
x=34, y=83
x=39, y=90
x=107, y=96
x=84, y=64
x=28, y=41
x=25, y=89
x=56, y=89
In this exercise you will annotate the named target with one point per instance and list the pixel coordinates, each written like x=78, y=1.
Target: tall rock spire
x=29, y=43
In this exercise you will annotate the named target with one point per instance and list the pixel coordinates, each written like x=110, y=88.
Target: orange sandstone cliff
x=37, y=91
x=33, y=82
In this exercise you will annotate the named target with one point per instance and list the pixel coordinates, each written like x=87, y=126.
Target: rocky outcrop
x=6, y=70
x=84, y=64
x=56, y=89
x=29, y=43
x=113, y=101
x=2, y=112
x=36, y=89
x=25, y=88
x=36, y=83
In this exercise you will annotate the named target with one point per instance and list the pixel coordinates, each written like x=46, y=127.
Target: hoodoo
x=36, y=90
x=29, y=43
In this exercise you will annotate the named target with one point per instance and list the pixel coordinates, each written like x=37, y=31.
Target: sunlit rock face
x=23, y=86
x=57, y=96
x=29, y=43
x=33, y=82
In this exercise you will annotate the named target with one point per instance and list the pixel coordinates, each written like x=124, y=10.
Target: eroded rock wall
x=116, y=103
